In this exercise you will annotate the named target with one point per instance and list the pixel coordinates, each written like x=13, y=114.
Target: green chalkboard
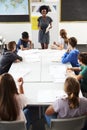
x=73, y=10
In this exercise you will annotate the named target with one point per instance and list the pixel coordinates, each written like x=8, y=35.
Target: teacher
x=44, y=25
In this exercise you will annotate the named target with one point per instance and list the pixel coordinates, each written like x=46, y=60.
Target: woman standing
x=44, y=24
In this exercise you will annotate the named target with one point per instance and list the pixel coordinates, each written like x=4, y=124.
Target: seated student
x=82, y=76
x=24, y=43
x=68, y=106
x=71, y=55
x=8, y=57
x=63, y=41
x=13, y=102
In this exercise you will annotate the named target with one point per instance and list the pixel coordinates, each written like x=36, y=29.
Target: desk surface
x=43, y=74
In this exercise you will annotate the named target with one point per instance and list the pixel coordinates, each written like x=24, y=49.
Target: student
x=8, y=57
x=24, y=43
x=68, y=106
x=12, y=102
x=82, y=77
x=44, y=25
x=71, y=55
x=63, y=41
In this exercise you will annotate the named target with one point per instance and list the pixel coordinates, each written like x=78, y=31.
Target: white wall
x=12, y=31
x=76, y=29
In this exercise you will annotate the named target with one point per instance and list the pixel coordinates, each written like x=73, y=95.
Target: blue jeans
x=27, y=114
x=48, y=118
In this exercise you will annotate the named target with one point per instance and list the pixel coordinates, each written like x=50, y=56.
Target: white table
x=43, y=75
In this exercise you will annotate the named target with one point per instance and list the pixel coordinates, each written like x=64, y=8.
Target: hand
x=54, y=43
x=20, y=85
x=20, y=81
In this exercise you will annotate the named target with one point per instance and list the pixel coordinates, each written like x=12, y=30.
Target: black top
x=7, y=59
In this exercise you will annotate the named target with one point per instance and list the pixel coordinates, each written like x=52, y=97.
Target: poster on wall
x=14, y=11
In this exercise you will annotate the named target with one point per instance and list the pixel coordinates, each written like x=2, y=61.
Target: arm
x=49, y=110
x=17, y=57
x=22, y=48
x=50, y=25
x=69, y=72
x=30, y=43
x=78, y=77
x=74, y=68
x=57, y=46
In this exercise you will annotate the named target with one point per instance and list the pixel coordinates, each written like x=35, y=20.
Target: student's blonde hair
x=63, y=34
x=72, y=88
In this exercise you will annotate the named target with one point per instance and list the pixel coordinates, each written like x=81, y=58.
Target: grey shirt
x=62, y=108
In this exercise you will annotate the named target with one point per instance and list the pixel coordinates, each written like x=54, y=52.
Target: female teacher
x=44, y=25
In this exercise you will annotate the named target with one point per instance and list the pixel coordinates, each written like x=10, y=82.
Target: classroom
x=42, y=71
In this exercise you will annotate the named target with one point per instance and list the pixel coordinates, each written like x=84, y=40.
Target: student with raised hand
x=71, y=55
x=44, y=25
x=24, y=42
x=82, y=76
x=62, y=42
x=70, y=105
x=8, y=57
x=12, y=103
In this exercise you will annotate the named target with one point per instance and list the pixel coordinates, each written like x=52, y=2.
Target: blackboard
x=73, y=10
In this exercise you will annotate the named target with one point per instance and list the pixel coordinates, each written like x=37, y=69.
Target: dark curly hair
x=47, y=8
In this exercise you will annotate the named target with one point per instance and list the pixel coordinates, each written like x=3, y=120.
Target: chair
x=12, y=125
x=76, y=123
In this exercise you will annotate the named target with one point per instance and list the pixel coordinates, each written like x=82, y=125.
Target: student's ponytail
x=73, y=101
x=72, y=88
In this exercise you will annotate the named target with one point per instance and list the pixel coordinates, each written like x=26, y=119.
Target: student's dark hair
x=72, y=88
x=73, y=41
x=63, y=34
x=9, y=109
x=11, y=45
x=83, y=57
x=25, y=35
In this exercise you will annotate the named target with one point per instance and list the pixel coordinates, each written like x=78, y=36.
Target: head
x=63, y=34
x=8, y=104
x=7, y=84
x=25, y=36
x=44, y=9
x=11, y=46
x=73, y=42
x=72, y=88
x=82, y=58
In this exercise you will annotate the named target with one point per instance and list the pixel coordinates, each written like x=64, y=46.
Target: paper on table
x=16, y=71
x=32, y=58
x=47, y=29
x=58, y=72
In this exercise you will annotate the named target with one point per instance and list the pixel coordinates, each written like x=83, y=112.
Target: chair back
x=12, y=125
x=76, y=123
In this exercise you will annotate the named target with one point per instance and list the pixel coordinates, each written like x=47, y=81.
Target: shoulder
x=83, y=101
x=61, y=101
x=19, y=41
x=39, y=18
x=49, y=18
